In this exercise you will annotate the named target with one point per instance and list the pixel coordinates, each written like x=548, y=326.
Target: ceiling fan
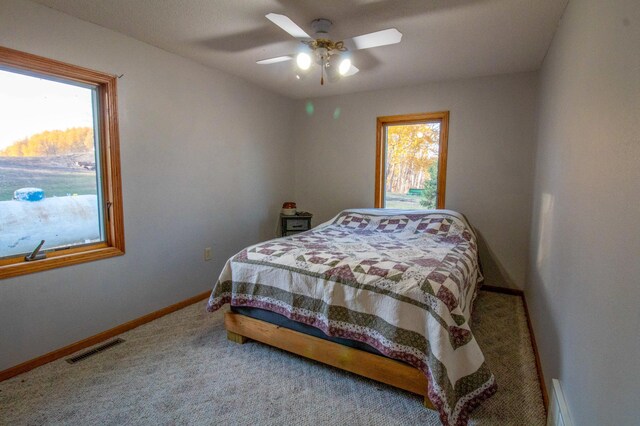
x=333, y=57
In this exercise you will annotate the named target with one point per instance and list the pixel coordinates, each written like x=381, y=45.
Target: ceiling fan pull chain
x=322, y=72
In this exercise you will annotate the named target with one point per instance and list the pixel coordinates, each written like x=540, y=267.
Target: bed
x=386, y=294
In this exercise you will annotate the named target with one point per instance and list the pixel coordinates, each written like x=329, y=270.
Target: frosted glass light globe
x=304, y=61
x=344, y=67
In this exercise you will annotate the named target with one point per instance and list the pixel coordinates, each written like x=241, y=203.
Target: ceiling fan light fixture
x=333, y=57
x=303, y=60
x=344, y=66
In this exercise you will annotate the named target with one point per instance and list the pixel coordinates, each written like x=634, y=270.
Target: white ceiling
x=442, y=39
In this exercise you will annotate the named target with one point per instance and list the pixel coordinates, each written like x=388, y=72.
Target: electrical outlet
x=208, y=255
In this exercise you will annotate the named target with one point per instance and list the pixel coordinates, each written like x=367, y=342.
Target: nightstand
x=293, y=224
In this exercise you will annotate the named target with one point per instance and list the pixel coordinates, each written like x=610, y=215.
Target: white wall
x=584, y=280
x=490, y=158
x=201, y=154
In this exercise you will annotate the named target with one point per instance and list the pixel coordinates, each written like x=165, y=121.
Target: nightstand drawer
x=290, y=225
x=297, y=225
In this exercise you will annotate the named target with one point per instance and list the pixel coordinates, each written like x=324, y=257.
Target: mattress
x=282, y=321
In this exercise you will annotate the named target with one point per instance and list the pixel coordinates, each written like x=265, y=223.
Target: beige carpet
x=180, y=369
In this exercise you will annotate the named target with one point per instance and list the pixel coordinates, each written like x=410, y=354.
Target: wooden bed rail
x=395, y=373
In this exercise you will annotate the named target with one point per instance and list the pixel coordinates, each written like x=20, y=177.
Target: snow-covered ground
x=60, y=221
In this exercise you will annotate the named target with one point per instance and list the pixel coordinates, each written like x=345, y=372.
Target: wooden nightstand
x=293, y=224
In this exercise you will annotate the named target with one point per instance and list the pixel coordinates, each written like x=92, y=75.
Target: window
x=59, y=165
x=411, y=161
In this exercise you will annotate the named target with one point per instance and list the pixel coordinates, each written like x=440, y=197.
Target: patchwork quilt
x=403, y=282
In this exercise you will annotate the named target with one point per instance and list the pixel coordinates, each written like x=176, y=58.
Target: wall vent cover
x=94, y=351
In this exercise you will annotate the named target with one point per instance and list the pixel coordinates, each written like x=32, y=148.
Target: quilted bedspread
x=403, y=282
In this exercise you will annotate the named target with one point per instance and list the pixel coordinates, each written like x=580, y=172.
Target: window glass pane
x=49, y=183
x=411, y=169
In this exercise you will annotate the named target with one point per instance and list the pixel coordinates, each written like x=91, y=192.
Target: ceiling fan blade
x=379, y=38
x=353, y=70
x=274, y=60
x=288, y=25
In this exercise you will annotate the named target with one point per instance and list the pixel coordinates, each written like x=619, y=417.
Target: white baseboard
x=558, y=410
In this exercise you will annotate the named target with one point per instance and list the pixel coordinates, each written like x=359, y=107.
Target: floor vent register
x=94, y=351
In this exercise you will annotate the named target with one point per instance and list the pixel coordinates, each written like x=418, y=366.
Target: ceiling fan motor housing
x=321, y=26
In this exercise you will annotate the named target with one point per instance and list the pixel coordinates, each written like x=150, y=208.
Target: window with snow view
x=59, y=165
x=411, y=161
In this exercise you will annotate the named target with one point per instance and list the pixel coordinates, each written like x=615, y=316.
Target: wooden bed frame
x=241, y=328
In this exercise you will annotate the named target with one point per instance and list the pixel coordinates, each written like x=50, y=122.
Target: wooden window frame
x=109, y=160
x=443, y=118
